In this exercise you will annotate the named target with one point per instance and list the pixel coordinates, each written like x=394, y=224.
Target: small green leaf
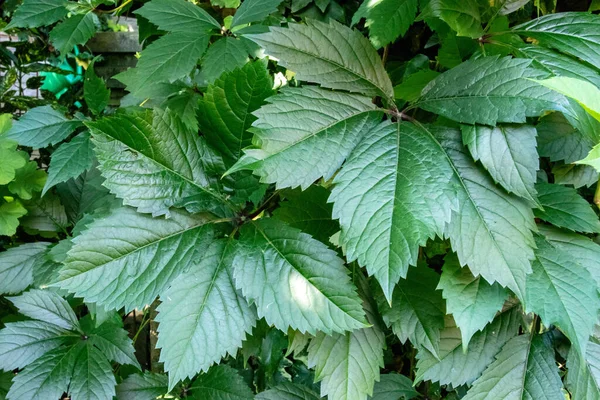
x=288, y=391
x=92, y=377
x=16, y=265
x=386, y=19
x=593, y=158
x=70, y=160
x=411, y=87
x=34, y=13
x=146, y=386
x=73, y=31
x=583, y=378
x=28, y=179
x=224, y=55
x=42, y=126
x=46, y=306
x=462, y=16
x=559, y=140
x=254, y=11
x=178, y=16
x=394, y=387
x=220, y=382
x=95, y=92
x=12, y=160
x=585, y=93
x=45, y=215
x=114, y=343
x=9, y=217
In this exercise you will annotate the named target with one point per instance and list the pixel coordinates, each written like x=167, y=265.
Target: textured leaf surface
x=73, y=31
x=224, y=55
x=489, y=90
x=288, y=391
x=574, y=33
x=46, y=306
x=178, y=16
x=329, y=54
x=393, y=194
x=583, y=379
x=16, y=266
x=295, y=280
x=146, y=386
x=227, y=106
x=524, y=369
x=462, y=16
x=92, y=377
x=70, y=160
x=457, y=367
x=114, y=343
x=559, y=140
x=305, y=134
x=45, y=215
x=254, y=11
x=221, y=382
x=42, y=126
x=95, y=92
x=492, y=231
x=559, y=291
x=563, y=207
x=394, y=387
x=34, y=13
x=386, y=19
x=508, y=153
x=472, y=301
x=161, y=166
x=347, y=365
x=417, y=310
x=127, y=259
x=202, y=317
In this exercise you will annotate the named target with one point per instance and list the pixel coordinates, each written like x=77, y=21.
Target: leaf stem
x=399, y=115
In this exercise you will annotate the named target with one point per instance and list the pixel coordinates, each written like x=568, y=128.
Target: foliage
x=383, y=199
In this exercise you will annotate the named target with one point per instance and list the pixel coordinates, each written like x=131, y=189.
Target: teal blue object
x=59, y=84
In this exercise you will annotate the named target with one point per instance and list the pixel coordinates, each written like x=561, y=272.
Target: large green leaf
x=73, y=31
x=16, y=266
x=146, y=386
x=492, y=231
x=565, y=208
x=393, y=194
x=221, y=382
x=417, y=310
x=386, y=19
x=489, y=90
x=162, y=166
x=583, y=379
x=509, y=154
x=329, y=54
x=524, y=369
x=42, y=126
x=34, y=13
x=456, y=367
x=471, y=300
x=295, y=280
x=127, y=258
x=226, y=108
x=563, y=293
x=178, y=16
x=347, y=365
x=574, y=33
x=305, y=134
x=70, y=160
x=202, y=317
x=48, y=307
x=462, y=16
x=254, y=11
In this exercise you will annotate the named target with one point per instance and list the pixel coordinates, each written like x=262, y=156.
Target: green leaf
x=456, y=367
x=92, y=377
x=127, y=259
x=23, y=342
x=583, y=378
x=146, y=386
x=16, y=265
x=329, y=54
x=559, y=64
x=42, y=126
x=73, y=31
x=471, y=300
x=394, y=387
x=559, y=291
x=34, y=13
x=254, y=11
x=224, y=55
x=160, y=167
x=221, y=382
x=46, y=306
x=202, y=317
x=572, y=33
x=593, y=158
x=386, y=19
x=417, y=310
x=288, y=391
x=70, y=160
x=185, y=104
x=46, y=378
x=114, y=343
x=308, y=211
x=559, y=140
x=95, y=92
x=576, y=175
x=12, y=160
x=565, y=208
x=489, y=90
x=524, y=369
x=45, y=215
x=293, y=154
x=585, y=93
x=347, y=365
x=28, y=179
x=9, y=217
x=226, y=107
x=5, y=383
x=295, y=280
x=462, y=16
x=411, y=87
x=178, y=16
x=509, y=154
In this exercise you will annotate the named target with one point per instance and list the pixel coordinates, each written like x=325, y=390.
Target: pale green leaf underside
x=46, y=306
x=16, y=266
